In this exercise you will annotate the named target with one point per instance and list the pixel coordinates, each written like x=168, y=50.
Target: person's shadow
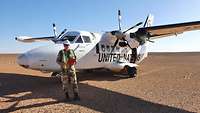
x=98, y=99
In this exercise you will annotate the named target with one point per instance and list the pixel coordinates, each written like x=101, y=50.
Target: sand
x=166, y=83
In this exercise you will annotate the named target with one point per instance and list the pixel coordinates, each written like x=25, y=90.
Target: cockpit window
x=70, y=38
x=79, y=40
x=86, y=39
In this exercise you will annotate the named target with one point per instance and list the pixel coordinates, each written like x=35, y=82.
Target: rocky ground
x=166, y=83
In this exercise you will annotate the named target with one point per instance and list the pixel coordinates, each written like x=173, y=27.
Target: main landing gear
x=130, y=71
x=127, y=72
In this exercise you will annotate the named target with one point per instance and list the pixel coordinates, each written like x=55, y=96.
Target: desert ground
x=166, y=83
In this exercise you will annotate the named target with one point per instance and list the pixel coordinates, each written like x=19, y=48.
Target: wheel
x=54, y=74
x=57, y=75
x=132, y=71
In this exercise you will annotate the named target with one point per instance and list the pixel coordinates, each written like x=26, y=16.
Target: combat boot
x=76, y=97
x=67, y=96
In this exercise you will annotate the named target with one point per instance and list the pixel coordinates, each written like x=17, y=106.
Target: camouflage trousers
x=69, y=80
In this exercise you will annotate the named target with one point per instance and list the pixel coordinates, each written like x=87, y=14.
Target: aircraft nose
x=22, y=60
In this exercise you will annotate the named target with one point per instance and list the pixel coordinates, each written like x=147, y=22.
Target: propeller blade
x=146, y=21
x=115, y=44
x=62, y=33
x=133, y=27
x=119, y=19
x=54, y=30
x=149, y=21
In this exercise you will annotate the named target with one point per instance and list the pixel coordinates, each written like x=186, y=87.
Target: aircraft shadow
x=98, y=99
x=101, y=75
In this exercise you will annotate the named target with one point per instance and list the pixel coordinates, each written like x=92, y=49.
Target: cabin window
x=79, y=40
x=86, y=39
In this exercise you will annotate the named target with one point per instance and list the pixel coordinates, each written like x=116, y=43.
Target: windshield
x=70, y=38
x=79, y=40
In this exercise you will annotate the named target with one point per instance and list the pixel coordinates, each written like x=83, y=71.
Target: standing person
x=66, y=59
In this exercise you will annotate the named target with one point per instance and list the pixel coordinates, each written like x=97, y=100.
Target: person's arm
x=59, y=58
x=73, y=54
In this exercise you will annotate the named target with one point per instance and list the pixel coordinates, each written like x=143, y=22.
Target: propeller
x=138, y=24
x=117, y=33
x=121, y=35
x=55, y=33
x=141, y=35
x=61, y=33
x=148, y=23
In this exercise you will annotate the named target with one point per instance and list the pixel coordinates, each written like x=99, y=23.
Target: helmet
x=66, y=42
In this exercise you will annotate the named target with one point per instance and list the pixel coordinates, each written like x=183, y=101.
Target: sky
x=35, y=17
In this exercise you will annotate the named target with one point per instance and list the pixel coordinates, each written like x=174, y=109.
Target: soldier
x=66, y=59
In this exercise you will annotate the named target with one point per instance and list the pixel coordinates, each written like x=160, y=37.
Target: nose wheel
x=54, y=74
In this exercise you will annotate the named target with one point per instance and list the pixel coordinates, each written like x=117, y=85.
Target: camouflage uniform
x=68, y=77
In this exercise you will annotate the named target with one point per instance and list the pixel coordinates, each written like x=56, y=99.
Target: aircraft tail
x=149, y=21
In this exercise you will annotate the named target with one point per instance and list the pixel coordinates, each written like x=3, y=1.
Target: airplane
x=119, y=50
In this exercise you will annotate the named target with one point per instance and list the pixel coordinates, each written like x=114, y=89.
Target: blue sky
x=35, y=18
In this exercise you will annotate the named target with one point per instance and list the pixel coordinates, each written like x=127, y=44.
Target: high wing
x=27, y=39
x=168, y=30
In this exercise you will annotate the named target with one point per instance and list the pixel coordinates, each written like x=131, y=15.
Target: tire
x=54, y=74
x=132, y=72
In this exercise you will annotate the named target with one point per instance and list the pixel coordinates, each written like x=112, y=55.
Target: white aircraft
x=115, y=50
